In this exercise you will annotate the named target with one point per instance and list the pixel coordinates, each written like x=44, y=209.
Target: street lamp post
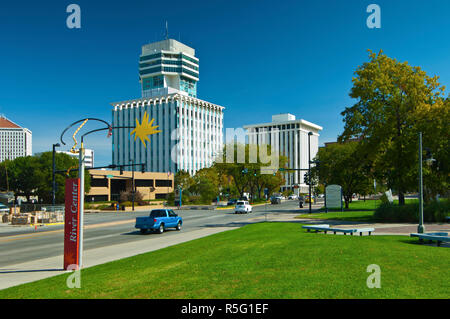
x=421, y=228
x=81, y=176
x=132, y=183
x=53, y=174
x=309, y=170
x=180, y=188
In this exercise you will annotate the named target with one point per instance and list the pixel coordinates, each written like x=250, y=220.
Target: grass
x=264, y=260
x=351, y=216
x=358, y=211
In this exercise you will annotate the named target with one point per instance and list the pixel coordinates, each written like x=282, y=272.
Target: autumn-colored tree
x=395, y=101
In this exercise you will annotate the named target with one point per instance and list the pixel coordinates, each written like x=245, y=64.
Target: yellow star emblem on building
x=144, y=129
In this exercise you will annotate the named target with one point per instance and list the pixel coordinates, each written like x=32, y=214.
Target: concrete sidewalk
x=404, y=229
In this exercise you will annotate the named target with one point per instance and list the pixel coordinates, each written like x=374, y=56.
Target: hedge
x=433, y=212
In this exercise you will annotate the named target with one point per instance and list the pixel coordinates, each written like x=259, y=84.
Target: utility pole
x=6, y=172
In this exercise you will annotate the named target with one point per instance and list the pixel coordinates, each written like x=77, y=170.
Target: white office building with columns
x=191, y=129
x=15, y=141
x=289, y=137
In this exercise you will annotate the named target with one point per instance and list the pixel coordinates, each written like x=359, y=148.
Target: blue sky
x=257, y=58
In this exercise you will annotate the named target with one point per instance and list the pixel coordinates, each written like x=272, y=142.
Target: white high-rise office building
x=191, y=129
x=15, y=141
x=290, y=138
x=88, y=156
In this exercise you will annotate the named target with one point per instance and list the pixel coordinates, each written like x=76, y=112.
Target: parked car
x=293, y=196
x=307, y=199
x=242, y=207
x=232, y=202
x=159, y=220
x=4, y=208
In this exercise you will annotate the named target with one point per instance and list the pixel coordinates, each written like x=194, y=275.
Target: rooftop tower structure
x=166, y=67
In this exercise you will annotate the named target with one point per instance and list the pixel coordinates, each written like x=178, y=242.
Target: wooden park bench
x=327, y=228
x=437, y=237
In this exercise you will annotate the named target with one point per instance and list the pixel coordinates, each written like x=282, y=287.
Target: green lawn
x=265, y=260
x=358, y=211
x=353, y=216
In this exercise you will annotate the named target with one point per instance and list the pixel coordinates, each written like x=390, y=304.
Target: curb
x=49, y=224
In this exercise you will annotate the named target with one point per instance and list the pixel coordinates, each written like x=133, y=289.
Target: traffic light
x=306, y=178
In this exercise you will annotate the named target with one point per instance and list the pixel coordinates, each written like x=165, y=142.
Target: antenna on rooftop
x=167, y=31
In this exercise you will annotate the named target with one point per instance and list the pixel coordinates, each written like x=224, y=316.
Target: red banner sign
x=71, y=223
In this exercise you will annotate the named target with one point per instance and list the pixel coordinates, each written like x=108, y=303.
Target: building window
x=163, y=183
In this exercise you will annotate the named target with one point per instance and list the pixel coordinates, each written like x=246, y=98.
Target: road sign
x=389, y=196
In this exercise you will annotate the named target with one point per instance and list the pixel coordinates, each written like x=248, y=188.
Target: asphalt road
x=106, y=229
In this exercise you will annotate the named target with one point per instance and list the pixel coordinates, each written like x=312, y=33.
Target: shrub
x=197, y=200
x=127, y=196
x=126, y=204
x=384, y=199
x=106, y=207
x=435, y=211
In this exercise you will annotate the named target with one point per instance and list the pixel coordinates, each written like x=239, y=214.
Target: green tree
x=32, y=176
x=62, y=162
x=251, y=177
x=185, y=179
x=391, y=96
x=342, y=164
x=25, y=176
x=434, y=121
x=206, y=184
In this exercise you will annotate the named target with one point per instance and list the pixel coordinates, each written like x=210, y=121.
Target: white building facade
x=15, y=141
x=190, y=138
x=88, y=156
x=191, y=129
x=289, y=137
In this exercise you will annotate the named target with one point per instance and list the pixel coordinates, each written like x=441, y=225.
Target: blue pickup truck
x=159, y=220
